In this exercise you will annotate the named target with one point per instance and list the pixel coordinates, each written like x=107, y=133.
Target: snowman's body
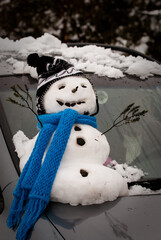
x=81, y=177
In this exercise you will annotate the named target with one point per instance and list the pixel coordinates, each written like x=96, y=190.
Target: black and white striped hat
x=49, y=70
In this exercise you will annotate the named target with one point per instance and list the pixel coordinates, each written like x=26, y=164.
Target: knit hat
x=50, y=70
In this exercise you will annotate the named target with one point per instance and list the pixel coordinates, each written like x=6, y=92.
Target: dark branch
x=130, y=114
x=24, y=96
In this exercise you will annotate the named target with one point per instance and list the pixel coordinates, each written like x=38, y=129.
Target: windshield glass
x=19, y=118
x=137, y=144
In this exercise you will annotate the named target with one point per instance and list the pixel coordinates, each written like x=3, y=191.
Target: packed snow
x=139, y=190
x=81, y=178
x=102, y=184
x=130, y=173
x=103, y=62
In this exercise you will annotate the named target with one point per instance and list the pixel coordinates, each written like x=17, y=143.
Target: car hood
x=135, y=217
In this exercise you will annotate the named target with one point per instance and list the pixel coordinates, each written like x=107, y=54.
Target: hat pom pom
x=33, y=60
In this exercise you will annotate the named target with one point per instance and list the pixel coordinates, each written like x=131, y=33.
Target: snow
x=142, y=46
x=103, y=62
x=139, y=190
x=27, y=45
x=153, y=12
x=130, y=173
x=143, y=69
x=103, y=183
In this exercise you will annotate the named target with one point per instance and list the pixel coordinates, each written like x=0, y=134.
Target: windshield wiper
x=154, y=183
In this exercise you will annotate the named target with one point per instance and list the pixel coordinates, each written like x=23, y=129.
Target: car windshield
x=137, y=144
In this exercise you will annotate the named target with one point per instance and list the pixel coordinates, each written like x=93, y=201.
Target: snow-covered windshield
x=103, y=62
x=136, y=144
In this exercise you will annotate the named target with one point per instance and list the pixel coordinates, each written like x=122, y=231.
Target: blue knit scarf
x=32, y=193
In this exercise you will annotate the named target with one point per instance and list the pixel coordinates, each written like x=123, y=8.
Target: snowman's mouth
x=70, y=104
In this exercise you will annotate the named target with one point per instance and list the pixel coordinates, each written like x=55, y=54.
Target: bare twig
x=27, y=99
x=130, y=114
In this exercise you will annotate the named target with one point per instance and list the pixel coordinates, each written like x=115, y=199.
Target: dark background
x=120, y=22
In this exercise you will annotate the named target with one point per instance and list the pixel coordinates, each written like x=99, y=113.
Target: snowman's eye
x=80, y=141
x=77, y=128
x=83, y=86
x=84, y=173
x=61, y=87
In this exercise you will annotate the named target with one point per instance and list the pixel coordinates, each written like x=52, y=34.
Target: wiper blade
x=154, y=183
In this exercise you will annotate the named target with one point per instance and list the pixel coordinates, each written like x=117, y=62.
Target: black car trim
x=114, y=48
x=1, y=201
x=154, y=184
x=8, y=139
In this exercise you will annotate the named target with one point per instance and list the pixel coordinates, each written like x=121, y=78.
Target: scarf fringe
x=33, y=189
x=34, y=209
x=17, y=209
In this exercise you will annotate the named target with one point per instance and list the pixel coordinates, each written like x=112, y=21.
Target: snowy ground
x=103, y=62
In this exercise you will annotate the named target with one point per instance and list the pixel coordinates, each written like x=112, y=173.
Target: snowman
x=64, y=161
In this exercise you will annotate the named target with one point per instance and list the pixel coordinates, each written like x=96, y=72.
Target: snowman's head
x=75, y=92
x=60, y=86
